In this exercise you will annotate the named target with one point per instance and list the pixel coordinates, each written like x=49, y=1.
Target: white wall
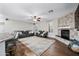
x=2, y=48
x=42, y=26
x=12, y=25
x=1, y=28
x=1, y=24
x=54, y=26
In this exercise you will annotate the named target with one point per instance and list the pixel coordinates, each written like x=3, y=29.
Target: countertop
x=5, y=36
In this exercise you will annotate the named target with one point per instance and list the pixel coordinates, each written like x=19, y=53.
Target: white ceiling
x=24, y=11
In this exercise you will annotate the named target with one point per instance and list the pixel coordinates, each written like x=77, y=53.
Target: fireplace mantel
x=65, y=28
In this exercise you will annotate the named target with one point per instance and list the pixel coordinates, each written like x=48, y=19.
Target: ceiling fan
x=36, y=18
x=39, y=18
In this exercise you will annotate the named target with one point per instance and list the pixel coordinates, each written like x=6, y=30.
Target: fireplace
x=65, y=34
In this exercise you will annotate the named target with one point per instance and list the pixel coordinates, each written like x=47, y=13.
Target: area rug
x=37, y=44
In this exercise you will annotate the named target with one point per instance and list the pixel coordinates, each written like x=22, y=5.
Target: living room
x=45, y=29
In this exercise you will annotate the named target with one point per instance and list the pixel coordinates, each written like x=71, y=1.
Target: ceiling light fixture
x=6, y=19
x=50, y=11
x=35, y=18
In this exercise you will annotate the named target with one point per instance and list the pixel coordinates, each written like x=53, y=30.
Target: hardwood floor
x=59, y=49
x=56, y=49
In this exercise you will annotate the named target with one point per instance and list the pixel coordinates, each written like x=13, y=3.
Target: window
x=2, y=22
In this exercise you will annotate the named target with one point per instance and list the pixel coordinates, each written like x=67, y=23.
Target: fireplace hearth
x=65, y=34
